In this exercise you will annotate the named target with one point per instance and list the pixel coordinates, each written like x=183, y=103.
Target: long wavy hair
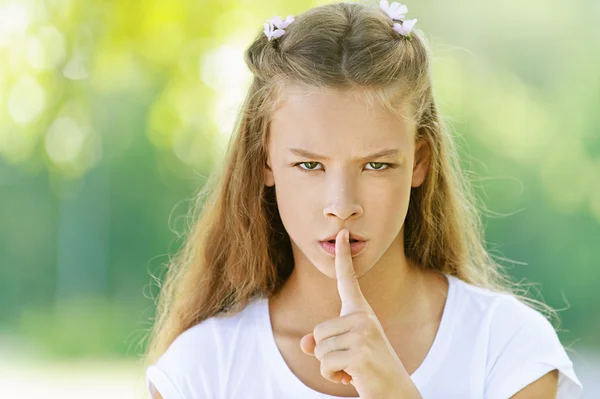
x=236, y=247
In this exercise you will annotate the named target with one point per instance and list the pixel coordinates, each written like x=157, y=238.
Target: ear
x=422, y=160
x=269, y=178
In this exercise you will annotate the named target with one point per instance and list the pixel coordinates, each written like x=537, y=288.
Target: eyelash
x=387, y=166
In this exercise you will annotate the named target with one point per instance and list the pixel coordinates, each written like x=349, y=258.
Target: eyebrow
x=387, y=152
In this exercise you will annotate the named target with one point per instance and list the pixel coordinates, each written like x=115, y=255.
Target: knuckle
x=317, y=352
x=323, y=368
x=320, y=352
x=323, y=348
x=326, y=368
x=318, y=333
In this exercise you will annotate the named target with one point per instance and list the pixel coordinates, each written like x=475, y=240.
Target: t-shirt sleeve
x=524, y=347
x=158, y=380
x=187, y=368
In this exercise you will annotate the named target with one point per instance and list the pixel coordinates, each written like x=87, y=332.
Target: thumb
x=307, y=344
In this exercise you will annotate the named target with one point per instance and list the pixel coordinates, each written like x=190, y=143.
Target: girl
x=340, y=252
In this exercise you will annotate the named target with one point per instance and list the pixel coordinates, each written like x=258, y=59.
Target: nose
x=342, y=200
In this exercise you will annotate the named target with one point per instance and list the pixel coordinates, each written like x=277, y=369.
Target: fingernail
x=347, y=236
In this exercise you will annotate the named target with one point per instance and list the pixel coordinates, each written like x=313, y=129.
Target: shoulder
x=515, y=327
x=198, y=357
x=521, y=344
x=212, y=336
x=500, y=313
x=506, y=323
x=182, y=363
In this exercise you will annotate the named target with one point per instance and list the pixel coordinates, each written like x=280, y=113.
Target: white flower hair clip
x=280, y=24
x=397, y=12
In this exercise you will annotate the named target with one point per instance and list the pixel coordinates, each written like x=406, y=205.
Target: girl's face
x=323, y=161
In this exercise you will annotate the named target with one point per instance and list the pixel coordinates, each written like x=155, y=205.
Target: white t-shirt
x=488, y=345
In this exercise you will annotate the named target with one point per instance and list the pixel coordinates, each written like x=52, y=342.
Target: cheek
x=392, y=190
x=398, y=193
x=387, y=204
x=294, y=203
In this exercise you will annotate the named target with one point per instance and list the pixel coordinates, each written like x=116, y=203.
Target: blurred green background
x=112, y=114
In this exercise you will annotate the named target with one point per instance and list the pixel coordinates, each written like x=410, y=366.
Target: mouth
x=356, y=246
x=353, y=238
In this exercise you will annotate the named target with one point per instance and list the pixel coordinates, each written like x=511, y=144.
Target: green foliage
x=112, y=115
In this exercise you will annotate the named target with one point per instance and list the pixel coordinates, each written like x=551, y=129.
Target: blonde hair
x=237, y=248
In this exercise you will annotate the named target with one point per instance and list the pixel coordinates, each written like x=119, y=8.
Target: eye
x=310, y=166
x=378, y=165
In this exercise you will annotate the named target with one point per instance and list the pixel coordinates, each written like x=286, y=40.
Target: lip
x=355, y=247
x=352, y=237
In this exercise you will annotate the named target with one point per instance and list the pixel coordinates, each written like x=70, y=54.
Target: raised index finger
x=347, y=283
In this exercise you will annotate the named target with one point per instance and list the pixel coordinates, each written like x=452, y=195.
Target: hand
x=353, y=348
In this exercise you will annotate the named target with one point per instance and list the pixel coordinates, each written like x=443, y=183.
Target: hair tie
x=277, y=22
x=396, y=12
x=275, y=27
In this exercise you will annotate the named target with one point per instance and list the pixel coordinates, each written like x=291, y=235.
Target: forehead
x=311, y=115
